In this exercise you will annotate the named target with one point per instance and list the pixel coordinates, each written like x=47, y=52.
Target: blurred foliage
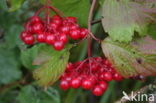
x=16, y=82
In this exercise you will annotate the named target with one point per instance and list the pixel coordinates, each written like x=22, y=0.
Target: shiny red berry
x=75, y=34
x=64, y=29
x=63, y=38
x=37, y=28
x=107, y=76
x=52, y=27
x=103, y=85
x=50, y=39
x=97, y=91
x=64, y=85
x=83, y=32
x=72, y=19
x=35, y=19
x=41, y=37
x=57, y=21
x=58, y=45
x=73, y=26
x=24, y=34
x=87, y=84
x=29, y=39
x=117, y=77
x=75, y=83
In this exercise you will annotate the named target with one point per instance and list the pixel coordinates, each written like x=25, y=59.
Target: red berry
x=97, y=90
x=23, y=35
x=68, y=78
x=69, y=67
x=29, y=40
x=56, y=17
x=58, y=45
x=107, y=76
x=52, y=27
x=37, y=28
x=41, y=37
x=75, y=34
x=101, y=76
x=57, y=21
x=72, y=19
x=28, y=27
x=64, y=84
x=117, y=77
x=83, y=32
x=94, y=67
x=75, y=83
x=64, y=29
x=107, y=63
x=103, y=85
x=50, y=39
x=87, y=84
x=63, y=38
x=35, y=19
x=73, y=26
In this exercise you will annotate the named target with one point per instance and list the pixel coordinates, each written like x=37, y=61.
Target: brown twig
x=23, y=81
x=89, y=26
x=96, y=21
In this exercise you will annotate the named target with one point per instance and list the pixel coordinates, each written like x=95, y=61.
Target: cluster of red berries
x=53, y=31
x=91, y=74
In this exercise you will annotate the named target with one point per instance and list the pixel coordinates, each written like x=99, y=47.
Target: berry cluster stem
x=59, y=13
x=89, y=26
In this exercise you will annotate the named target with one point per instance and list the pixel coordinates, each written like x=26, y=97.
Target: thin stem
x=96, y=21
x=51, y=8
x=89, y=26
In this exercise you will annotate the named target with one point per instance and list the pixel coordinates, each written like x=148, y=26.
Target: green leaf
x=123, y=18
x=52, y=67
x=29, y=94
x=133, y=59
x=9, y=66
x=8, y=97
x=28, y=56
x=152, y=30
x=3, y=5
x=15, y=4
x=12, y=36
x=76, y=8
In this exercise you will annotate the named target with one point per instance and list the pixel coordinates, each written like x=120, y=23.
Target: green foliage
x=17, y=62
x=12, y=37
x=123, y=18
x=152, y=30
x=52, y=67
x=15, y=4
x=28, y=56
x=3, y=5
x=133, y=59
x=76, y=8
x=9, y=65
x=29, y=94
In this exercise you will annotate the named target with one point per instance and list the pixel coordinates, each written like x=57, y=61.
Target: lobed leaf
x=52, y=67
x=123, y=18
x=137, y=58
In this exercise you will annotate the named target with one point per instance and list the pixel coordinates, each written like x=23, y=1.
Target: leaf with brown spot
x=132, y=59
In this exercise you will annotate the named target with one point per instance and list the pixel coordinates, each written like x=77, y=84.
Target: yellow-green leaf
x=52, y=67
x=137, y=58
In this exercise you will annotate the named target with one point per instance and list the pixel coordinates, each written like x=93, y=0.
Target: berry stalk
x=89, y=26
